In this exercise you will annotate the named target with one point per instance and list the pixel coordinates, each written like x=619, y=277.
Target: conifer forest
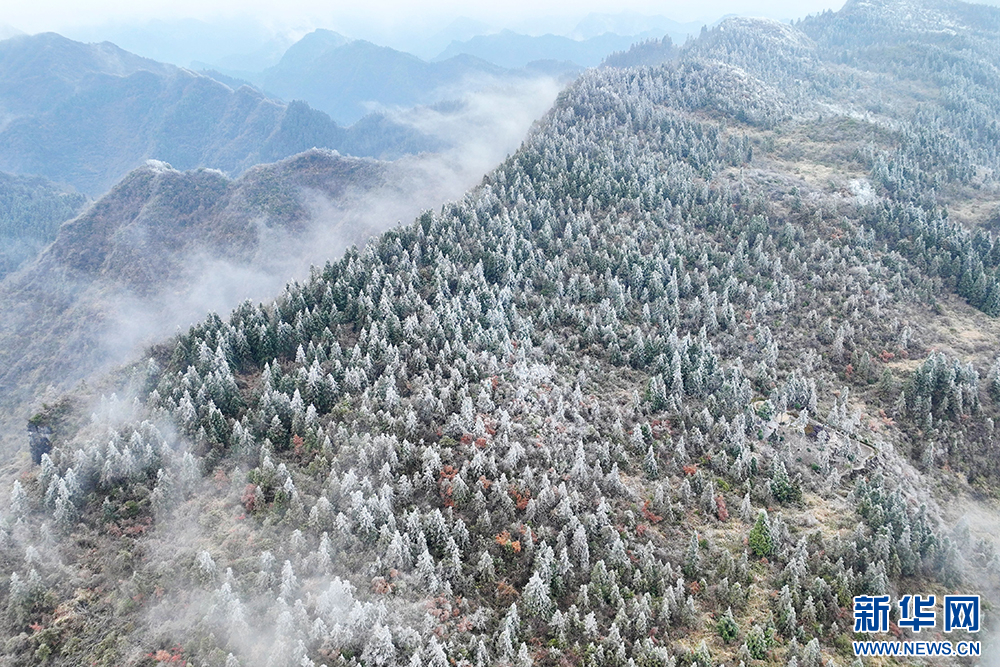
x=715, y=350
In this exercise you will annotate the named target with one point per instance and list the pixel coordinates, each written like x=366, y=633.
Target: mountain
x=86, y=114
x=765, y=47
x=512, y=50
x=139, y=257
x=143, y=232
x=302, y=53
x=8, y=31
x=31, y=210
x=38, y=72
x=349, y=79
x=163, y=247
x=710, y=356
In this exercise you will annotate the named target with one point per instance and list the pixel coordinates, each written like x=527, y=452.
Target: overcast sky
x=59, y=15
x=251, y=34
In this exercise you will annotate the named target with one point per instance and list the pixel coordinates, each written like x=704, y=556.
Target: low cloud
x=481, y=129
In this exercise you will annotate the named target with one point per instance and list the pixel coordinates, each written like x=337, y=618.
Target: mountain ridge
x=104, y=111
x=147, y=240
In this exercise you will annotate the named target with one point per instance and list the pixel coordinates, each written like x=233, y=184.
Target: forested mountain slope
x=87, y=114
x=712, y=353
x=31, y=210
x=141, y=256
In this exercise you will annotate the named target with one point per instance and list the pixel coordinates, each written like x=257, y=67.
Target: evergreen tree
x=761, y=541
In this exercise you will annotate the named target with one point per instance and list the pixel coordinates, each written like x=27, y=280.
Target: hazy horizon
x=56, y=15
x=210, y=31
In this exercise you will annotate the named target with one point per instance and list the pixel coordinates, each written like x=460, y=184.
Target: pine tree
x=649, y=464
x=756, y=643
x=206, y=566
x=812, y=656
x=746, y=509
x=782, y=488
x=727, y=627
x=761, y=541
x=379, y=650
x=692, y=559
x=787, y=618
x=537, y=601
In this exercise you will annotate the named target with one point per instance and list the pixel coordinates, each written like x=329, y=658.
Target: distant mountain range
x=234, y=42
x=510, y=49
x=347, y=79
x=343, y=77
x=250, y=45
x=595, y=38
x=85, y=114
x=635, y=25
